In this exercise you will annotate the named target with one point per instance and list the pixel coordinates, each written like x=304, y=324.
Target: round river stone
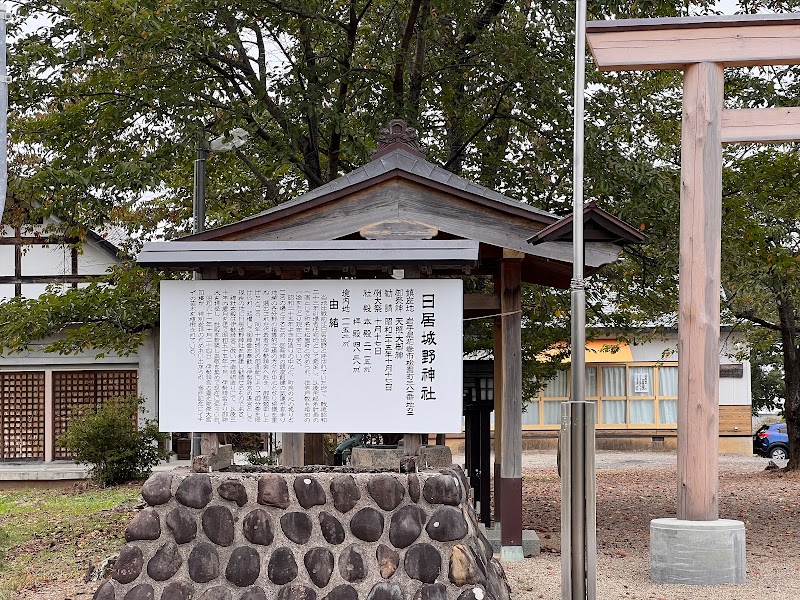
x=217, y=592
x=128, y=565
x=296, y=526
x=332, y=529
x=194, y=491
x=144, y=526
x=254, y=593
x=257, y=527
x=388, y=560
x=386, y=491
x=218, y=525
x=165, y=563
x=345, y=493
x=282, y=567
x=143, y=591
x=367, y=524
x=183, y=525
x=203, y=563
x=423, y=563
x=319, y=564
x=406, y=526
x=105, y=592
x=308, y=491
x=177, y=590
x=352, y=564
x=342, y=592
x=413, y=487
x=475, y=593
x=297, y=592
x=464, y=570
x=273, y=491
x=386, y=591
x=233, y=490
x=437, y=591
x=243, y=567
x=157, y=489
x=442, y=489
x=446, y=525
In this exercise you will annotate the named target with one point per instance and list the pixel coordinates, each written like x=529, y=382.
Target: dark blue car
x=772, y=441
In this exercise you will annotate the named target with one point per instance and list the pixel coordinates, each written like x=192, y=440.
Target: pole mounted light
x=576, y=444
x=225, y=143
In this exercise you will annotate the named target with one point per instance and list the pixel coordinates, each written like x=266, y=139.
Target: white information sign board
x=313, y=356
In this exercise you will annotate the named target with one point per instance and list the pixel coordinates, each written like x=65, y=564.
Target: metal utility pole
x=4, y=80
x=578, y=521
x=199, y=195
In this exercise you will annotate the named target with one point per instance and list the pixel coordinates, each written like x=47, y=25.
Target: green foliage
x=113, y=313
x=111, y=443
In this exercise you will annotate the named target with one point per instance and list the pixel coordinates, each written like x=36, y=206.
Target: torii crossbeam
x=681, y=549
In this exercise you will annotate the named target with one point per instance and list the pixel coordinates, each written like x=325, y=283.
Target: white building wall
x=732, y=390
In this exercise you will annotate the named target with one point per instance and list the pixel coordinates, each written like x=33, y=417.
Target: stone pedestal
x=531, y=546
x=697, y=552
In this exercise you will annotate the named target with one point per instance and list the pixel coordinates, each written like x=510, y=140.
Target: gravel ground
x=632, y=489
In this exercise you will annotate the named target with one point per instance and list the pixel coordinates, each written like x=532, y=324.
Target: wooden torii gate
x=702, y=47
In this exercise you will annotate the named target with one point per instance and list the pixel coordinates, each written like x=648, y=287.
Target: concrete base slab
x=530, y=541
x=697, y=552
x=512, y=554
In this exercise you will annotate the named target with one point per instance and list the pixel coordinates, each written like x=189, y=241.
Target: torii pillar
x=698, y=547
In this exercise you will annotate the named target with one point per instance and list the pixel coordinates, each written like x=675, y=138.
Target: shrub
x=109, y=441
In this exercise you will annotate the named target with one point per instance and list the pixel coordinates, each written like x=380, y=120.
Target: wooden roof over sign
x=401, y=196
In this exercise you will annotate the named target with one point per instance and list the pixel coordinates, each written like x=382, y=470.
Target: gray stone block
x=376, y=458
x=697, y=552
x=435, y=457
x=530, y=541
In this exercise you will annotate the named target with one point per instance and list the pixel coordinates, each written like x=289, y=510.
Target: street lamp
x=224, y=143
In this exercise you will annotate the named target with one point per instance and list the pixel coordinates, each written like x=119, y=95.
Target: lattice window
x=22, y=415
x=76, y=392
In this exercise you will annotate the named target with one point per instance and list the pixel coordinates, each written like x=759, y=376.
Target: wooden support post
x=209, y=443
x=498, y=409
x=698, y=320
x=293, y=448
x=314, y=449
x=511, y=429
x=292, y=452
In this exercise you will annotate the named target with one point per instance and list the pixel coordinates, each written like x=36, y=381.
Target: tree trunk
x=791, y=368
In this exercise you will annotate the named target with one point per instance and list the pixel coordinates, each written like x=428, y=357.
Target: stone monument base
x=531, y=547
x=697, y=552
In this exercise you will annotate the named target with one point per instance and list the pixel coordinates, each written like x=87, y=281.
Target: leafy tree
x=111, y=98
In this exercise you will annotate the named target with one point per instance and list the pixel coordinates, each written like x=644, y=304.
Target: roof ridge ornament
x=397, y=134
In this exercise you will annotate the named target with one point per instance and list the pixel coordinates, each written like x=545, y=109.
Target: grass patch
x=53, y=535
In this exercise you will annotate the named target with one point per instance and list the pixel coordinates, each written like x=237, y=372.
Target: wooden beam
x=699, y=285
x=511, y=427
x=762, y=125
x=481, y=305
x=644, y=44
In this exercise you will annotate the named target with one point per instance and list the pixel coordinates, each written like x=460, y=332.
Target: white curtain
x=557, y=386
x=667, y=386
x=613, y=411
x=552, y=413
x=530, y=416
x=591, y=382
x=667, y=411
x=613, y=381
x=668, y=381
x=641, y=381
x=643, y=411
